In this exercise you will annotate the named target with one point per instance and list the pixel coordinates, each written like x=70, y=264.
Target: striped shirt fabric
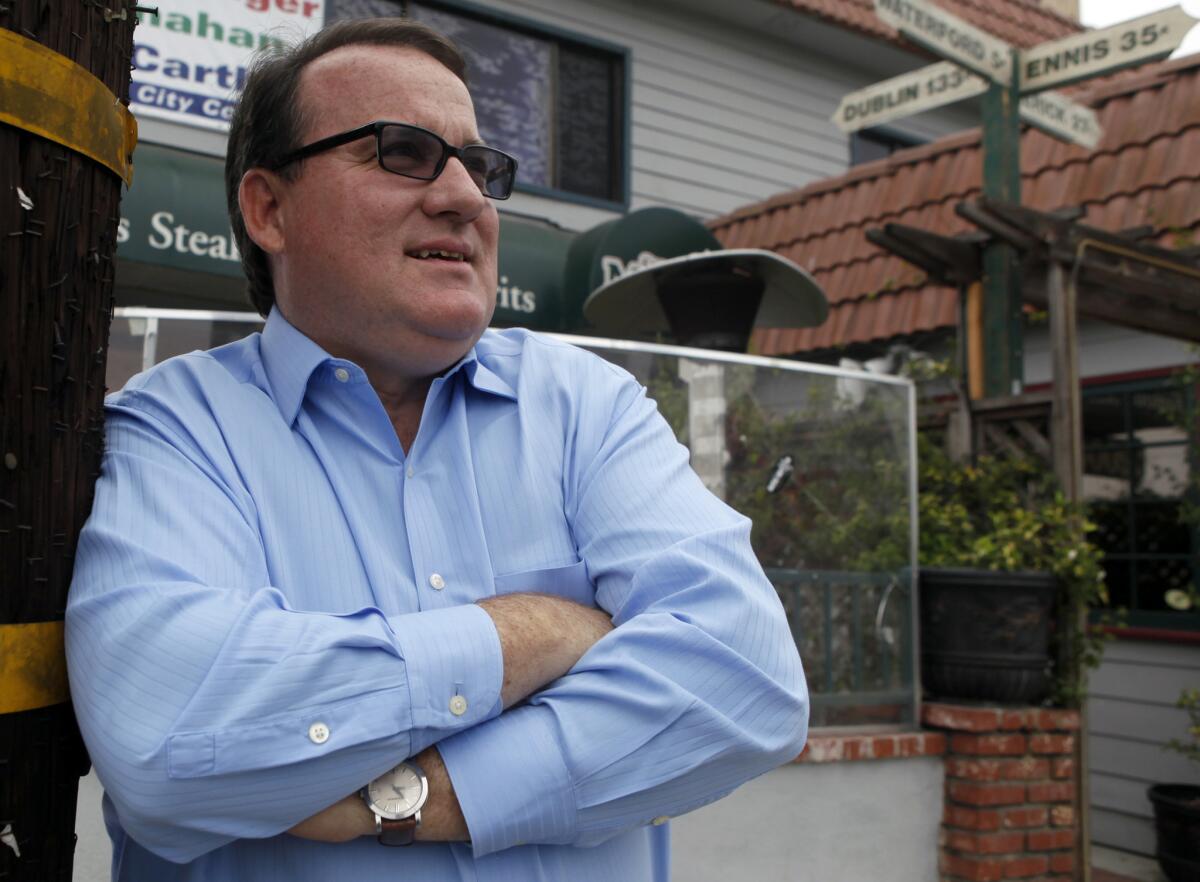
x=273, y=603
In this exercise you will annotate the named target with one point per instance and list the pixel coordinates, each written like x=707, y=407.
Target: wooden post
x=1066, y=417
x=58, y=230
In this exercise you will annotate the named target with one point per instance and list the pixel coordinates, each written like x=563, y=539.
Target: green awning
x=175, y=248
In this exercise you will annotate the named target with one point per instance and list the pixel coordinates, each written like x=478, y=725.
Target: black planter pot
x=985, y=635
x=1177, y=830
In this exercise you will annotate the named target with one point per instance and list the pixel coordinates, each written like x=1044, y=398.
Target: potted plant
x=1177, y=806
x=1004, y=560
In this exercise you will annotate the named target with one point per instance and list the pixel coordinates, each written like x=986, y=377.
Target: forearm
x=693, y=695
x=441, y=818
x=541, y=638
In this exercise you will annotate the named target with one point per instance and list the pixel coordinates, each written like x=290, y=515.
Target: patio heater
x=708, y=300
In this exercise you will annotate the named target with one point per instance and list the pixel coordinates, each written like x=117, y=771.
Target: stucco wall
x=816, y=823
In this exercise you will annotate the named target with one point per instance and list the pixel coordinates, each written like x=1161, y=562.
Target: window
x=557, y=103
x=1137, y=480
x=879, y=143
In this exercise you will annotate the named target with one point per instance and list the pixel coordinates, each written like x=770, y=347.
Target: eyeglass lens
x=415, y=153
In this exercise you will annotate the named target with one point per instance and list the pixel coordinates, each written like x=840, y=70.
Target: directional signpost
x=946, y=83
x=1058, y=115
x=916, y=92
x=949, y=36
x=1014, y=85
x=1082, y=56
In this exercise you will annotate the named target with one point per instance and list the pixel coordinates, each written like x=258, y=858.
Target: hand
x=541, y=637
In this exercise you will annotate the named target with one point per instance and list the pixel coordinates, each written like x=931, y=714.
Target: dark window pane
x=1108, y=474
x=588, y=153
x=1158, y=530
x=510, y=77
x=1118, y=575
x=1161, y=409
x=1157, y=577
x=1112, y=525
x=1104, y=419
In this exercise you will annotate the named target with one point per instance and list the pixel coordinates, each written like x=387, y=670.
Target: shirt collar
x=290, y=357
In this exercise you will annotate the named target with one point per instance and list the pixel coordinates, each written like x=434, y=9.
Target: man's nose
x=454, y=191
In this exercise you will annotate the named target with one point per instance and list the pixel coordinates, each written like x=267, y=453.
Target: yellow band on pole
x=33, y=667
x=49, y=95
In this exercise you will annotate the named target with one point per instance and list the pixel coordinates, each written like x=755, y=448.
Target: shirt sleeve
x=698, y=688
x=211, y=709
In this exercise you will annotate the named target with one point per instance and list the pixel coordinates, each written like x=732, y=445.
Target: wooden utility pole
x=66, y=140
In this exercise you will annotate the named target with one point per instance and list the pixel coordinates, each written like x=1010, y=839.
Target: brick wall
x=1010, y=787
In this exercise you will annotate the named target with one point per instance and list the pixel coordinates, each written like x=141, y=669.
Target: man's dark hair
x=268, y=120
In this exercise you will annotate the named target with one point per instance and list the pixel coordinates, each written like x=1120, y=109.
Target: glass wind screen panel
x=822, y=466
x=147, y=339
x=511, y=86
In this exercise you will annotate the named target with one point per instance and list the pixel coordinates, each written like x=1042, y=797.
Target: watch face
x=398, y=793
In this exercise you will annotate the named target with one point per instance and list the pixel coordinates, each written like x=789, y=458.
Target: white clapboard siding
x=721, y=115
x=1131, y=716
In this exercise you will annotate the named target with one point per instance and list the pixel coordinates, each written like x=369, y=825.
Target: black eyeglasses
x=418, y=153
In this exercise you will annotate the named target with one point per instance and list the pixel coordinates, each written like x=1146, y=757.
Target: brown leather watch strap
x=399, y=832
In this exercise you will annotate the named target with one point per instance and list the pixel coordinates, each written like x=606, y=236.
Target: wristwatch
x=396, y=798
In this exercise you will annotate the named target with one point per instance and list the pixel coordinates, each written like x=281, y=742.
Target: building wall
x=725, y=108
x=1131, y=715
x=819, y=823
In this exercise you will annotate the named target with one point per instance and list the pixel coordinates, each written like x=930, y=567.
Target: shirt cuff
x=512, y=782
x=454, y=664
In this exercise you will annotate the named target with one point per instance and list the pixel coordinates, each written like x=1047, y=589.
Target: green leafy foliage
x=1008, y=514
x=1189, y=700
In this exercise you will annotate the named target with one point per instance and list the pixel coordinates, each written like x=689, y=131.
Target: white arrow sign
x=907, y=94
x=943, y=83
x=1085, y=55
x=1061, y=117
x=949, y=36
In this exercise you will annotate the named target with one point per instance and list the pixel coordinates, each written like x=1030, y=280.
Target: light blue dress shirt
x=273, y=604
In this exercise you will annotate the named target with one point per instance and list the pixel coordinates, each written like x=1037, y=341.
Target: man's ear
x=259, y=197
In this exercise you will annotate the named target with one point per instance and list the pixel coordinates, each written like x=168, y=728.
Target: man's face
x=349, y=274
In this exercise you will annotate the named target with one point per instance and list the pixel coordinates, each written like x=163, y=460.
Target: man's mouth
x=434, y=254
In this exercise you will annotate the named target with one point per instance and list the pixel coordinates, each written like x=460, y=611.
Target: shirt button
x=660, y=820
x=342, y=375
x=318, y=733
x=409, y=472
x=458, y=705
x=437, y=582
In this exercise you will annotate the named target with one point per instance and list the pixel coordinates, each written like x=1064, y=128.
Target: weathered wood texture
x=56, y=295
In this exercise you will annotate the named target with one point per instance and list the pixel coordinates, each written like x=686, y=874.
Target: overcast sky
x=1101, y=13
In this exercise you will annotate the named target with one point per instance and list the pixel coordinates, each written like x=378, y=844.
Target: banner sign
x=190, y=60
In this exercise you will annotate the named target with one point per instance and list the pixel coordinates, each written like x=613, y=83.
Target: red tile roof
x=1145, y=171
x=1019, y=22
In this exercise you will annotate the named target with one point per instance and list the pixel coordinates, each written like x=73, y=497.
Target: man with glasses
x=378, y=577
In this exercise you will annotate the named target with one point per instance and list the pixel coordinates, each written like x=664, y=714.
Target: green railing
x=855, y=636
